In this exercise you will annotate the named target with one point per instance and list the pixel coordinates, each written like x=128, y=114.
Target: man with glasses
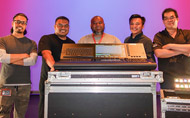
x=172, y=48
x=17, y=54
x=49, y=48
x=98, y=36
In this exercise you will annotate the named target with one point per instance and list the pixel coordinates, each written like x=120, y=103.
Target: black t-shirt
x=53, y=43
x=141, y=38
x=176, y=66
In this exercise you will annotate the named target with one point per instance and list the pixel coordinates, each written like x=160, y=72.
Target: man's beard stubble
x=19, y=30
x=97, y=33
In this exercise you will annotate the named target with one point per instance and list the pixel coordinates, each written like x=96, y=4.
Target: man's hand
x=183, y=48
x=18, y=58
x=52, y=69
x=25, y=55
x=169, y=46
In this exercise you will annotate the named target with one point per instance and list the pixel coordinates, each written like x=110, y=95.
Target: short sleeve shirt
x=177, y=65
x=53, y=43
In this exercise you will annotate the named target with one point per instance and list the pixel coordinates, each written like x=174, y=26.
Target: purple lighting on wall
x=42, y=15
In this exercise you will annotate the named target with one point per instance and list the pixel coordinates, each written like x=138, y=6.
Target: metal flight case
x=175, y=104
x=101, y=94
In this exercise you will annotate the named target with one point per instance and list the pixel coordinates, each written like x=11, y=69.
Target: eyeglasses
x=20, y=22
x=169, y=18
x=61, y=25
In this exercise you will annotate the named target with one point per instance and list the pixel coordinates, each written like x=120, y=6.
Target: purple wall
x=42, y=13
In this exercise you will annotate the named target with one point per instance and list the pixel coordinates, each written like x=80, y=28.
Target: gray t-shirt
x=11, y=73
x=107, y=39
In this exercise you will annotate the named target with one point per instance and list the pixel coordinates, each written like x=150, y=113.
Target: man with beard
x=49, y=48
x=17, y=54
x=136, y=23
x=172, y=47
x=98, y=36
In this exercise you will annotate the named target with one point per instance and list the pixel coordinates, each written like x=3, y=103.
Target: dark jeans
x=168, y=82
x=41, y=103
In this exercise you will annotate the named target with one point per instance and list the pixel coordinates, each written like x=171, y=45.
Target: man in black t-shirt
x=172, y=48
x=136, y=23
x=49, y=48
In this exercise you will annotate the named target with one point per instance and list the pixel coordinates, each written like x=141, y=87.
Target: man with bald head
x=98, y=36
